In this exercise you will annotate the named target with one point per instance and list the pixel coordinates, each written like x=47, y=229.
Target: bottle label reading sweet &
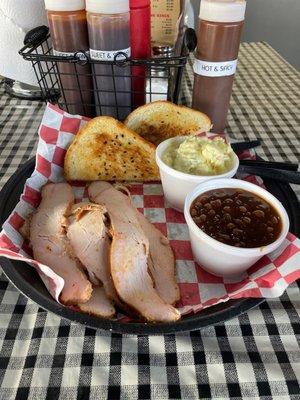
x=103, y=55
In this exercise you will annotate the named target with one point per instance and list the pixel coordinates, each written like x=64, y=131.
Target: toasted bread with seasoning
x=161, y=120
x=105, y=149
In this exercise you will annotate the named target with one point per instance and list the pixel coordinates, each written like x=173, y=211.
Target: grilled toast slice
x=105, y=149
x=161, y=120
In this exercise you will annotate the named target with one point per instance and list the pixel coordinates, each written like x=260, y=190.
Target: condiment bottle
x=68, y=29
x=140, y=39
x=219, y=33
x=109, y=33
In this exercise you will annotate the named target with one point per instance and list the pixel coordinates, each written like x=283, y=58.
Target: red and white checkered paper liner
x=269, y=277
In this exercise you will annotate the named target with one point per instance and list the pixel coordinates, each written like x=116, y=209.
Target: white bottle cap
x=107, y=6
x=222, y=10
x=60, y=5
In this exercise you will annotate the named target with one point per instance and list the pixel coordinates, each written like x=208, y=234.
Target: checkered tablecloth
x=254, y=356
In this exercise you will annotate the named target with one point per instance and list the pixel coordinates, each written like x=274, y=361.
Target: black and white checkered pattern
x=255, y=356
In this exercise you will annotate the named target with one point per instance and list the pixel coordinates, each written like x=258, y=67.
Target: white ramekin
x=176, y=184
x=221, y=259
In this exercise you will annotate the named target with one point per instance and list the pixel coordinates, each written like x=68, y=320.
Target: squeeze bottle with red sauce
x=69, y=34
x=140, y=39
x=219, y=34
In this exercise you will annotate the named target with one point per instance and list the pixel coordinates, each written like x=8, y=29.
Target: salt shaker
x=158, y=84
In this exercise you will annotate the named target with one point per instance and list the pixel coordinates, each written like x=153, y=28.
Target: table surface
x=254, y=356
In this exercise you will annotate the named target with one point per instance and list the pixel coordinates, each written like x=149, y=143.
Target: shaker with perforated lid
x=219, y=34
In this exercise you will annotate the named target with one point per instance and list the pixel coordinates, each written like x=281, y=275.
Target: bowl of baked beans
x=232, y=224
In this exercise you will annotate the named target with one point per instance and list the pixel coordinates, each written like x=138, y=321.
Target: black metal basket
x=84, y=86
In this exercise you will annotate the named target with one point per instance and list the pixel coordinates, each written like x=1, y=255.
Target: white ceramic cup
x=221, y=259
x=176, y=184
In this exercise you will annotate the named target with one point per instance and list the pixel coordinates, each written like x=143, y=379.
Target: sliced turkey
x=88, y=236
x=25, y=228
x=162, y=262
x=50, y=244
x=128, y=256
x=98, y=305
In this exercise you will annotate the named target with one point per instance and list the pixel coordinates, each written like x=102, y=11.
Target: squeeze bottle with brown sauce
x=109, y=34
x=219, y=34
x=69, y=34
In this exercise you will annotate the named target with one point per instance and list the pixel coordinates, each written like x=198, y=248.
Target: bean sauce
x=236, y=217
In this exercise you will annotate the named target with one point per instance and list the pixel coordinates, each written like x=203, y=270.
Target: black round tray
x=27, y=280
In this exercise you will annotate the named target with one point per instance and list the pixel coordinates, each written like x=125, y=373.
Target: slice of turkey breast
x=50, y=244
x=162, y=262
x=25, y=228
x=89, y=238
x=99, y=304
x=128, y=256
